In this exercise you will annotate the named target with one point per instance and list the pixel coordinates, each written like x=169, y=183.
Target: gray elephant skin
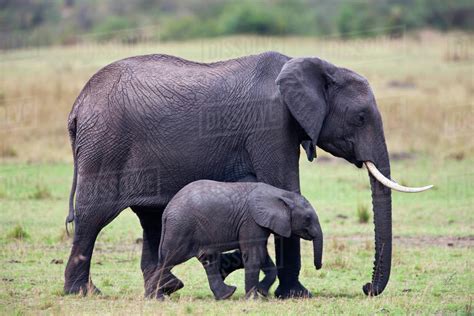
x=206, y=218
x=144, y=127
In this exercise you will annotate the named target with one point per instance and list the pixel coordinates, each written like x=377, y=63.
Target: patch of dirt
x=402, y=156
x=420, y=241
x=440, y=241
x=327, y=159
x=401, y=84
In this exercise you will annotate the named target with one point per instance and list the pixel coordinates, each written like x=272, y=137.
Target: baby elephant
x=207, y=218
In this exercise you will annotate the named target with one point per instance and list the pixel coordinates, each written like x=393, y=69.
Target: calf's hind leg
x=166, y=282
x=218, y=287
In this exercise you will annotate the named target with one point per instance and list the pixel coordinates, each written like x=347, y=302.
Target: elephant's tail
x=72, y=135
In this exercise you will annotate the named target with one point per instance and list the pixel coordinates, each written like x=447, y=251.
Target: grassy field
x=424, y=87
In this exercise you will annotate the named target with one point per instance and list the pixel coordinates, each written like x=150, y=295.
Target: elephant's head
x=305, y=223
x=286, y=213
x=337, y=111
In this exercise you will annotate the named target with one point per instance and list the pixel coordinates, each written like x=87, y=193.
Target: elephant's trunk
x=382, y=207
x=318, y=252
x=318, y=248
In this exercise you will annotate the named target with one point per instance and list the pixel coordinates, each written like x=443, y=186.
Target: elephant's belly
x=150, y=170
x=211, y=246
x=167, y=176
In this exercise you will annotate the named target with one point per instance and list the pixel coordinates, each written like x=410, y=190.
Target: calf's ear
x=272, y=212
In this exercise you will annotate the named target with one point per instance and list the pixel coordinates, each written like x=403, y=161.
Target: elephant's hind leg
x=88, y=223
x=150, y=220
x=167, y=282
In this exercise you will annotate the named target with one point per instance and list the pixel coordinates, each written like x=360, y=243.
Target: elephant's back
x=167, y=114
x=169, y=79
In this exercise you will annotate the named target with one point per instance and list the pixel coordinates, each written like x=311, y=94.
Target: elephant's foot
x=263, y=288
x=172, y=286
x=295, y=290
x=255, y=294
x=168, y=289
x=225, y=292
x=82, y=289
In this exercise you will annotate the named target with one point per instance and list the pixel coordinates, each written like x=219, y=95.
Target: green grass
x=433, y=231
x=428, y=276
x=363, y=213
x=18, y=232
x=431, y=115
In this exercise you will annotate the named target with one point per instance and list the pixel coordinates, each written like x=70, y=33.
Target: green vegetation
x=423, y=86
x=432, y=263
x=363, y=214
x=41, y=192
x=46, y=22
x=18, y=232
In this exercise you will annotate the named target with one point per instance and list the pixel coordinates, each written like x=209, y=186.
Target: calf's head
x=286, y=213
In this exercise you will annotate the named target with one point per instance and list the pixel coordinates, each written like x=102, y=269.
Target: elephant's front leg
x=150, y=220
x=281, y=171
x=270, y=271
x=254, y=259
x=288, y=258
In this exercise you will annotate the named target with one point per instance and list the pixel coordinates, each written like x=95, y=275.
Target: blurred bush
x=44, y=22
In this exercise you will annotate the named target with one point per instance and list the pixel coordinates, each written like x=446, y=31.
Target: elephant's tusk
x=390, y=183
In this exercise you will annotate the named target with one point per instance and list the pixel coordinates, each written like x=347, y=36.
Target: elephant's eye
x=360, y=119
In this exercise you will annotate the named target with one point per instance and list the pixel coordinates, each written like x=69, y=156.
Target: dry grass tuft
x=337, y=245
x=338, y=262
x=18, y=233
x=428, y=109
x=8, y=152
x=41, y=192
x=363, y=214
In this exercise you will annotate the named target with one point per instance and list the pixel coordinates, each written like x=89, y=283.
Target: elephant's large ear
x=273, y=212
x=303, y=84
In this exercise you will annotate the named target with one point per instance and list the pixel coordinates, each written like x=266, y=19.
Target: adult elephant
x=144, y=127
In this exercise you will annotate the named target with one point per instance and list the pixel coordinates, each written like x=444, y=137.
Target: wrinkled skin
x=207, y=218
x=144, y=127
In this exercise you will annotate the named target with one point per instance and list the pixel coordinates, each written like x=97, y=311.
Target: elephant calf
x=206, y=218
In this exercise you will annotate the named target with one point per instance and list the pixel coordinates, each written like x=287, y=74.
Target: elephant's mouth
x=358, y=163
x=305, y=234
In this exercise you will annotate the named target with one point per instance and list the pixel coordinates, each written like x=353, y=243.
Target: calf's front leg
x=253, y=258
x=270, y=271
